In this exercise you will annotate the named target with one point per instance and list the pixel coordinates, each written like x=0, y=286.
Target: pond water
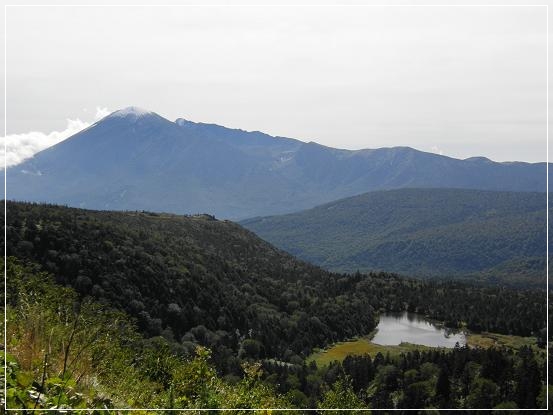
x=395, y=328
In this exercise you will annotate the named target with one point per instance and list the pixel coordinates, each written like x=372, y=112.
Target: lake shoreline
x=395, y=328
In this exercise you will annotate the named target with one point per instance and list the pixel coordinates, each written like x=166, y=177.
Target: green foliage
x=66, y=353
x=461, y=377
x=498, y=237
x=20, y=390
x=194, y=280
x=483, y=394
x=195, y=384
x=190, y=281
x=457, y=305
x=250, y=392
x=341, y=396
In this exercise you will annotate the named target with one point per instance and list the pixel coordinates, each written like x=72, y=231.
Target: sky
x=458, y=81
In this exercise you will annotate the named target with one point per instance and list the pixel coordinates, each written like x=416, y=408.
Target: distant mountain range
x=137, y=160
x=492, y=236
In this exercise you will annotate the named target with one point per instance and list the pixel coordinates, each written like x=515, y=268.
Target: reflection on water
x=396, y=328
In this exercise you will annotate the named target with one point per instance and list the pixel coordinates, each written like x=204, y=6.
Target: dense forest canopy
x=66, y=352
x=197, y=279
x=193, y=281
x=69, y=353
x=490, y=236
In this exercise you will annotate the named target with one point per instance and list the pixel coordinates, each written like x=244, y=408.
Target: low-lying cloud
x=19, y=147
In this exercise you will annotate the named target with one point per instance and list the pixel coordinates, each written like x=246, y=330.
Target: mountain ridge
x=135, y=159
x=462, y=233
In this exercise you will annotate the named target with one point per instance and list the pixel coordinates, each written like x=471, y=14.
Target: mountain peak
x=181, y=122
x=479, y=158
x=134, y=112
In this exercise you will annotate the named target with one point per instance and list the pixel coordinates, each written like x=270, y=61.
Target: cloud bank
x=19, y=147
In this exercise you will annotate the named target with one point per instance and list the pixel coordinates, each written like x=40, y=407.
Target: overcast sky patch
x=469, y=81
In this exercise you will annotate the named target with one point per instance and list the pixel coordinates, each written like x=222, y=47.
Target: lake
x=395, y=328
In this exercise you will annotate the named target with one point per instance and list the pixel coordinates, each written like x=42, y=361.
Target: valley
x=336, y=209
x=209, y=297
x=480, y=236
x=393, y=342
x=349, y=286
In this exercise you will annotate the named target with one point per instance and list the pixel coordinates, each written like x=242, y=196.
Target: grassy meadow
x=364, y=345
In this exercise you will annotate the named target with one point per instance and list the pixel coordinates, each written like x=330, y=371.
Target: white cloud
x=19, y=147
x=467, y=79
x=437, y=150
x=101, y=113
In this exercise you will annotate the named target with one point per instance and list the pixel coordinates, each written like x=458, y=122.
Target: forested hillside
x=66, y=352
x=197, y=279
x=497, y=237
x=190, y=278
x=189, y=281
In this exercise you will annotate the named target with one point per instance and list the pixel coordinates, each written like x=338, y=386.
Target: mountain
x=494, y=236
x=134, y=159
x=189, y=278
